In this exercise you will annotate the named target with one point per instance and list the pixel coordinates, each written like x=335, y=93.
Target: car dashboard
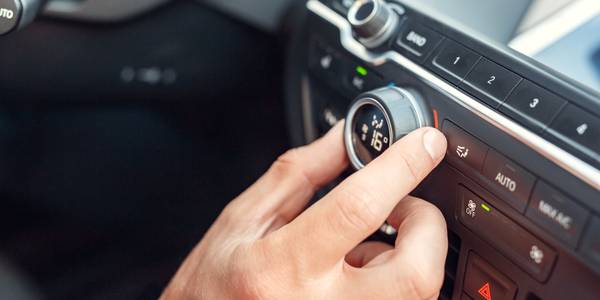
x=520, y=183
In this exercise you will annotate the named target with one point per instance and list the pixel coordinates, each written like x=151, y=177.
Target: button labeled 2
x=490, y=82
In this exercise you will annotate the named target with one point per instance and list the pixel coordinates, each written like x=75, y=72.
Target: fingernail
x=434, y=143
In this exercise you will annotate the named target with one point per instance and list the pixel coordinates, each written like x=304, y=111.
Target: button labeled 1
x=454, y=61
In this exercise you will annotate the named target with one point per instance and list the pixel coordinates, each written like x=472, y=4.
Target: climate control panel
x=520, y=184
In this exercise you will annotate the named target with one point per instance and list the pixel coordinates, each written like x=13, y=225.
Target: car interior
x=128, y=125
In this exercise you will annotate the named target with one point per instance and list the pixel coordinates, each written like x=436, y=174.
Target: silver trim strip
x=562, y=158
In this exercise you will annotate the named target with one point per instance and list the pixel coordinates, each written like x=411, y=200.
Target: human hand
x=264, y=246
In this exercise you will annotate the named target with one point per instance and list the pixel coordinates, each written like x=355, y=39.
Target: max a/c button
x=557, y=214
x=484, y=282
x=510, y=179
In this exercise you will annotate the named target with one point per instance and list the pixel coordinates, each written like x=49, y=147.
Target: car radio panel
x=520, y=185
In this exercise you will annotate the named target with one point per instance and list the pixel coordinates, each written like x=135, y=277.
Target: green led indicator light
x=361, y=70
x=487, y=208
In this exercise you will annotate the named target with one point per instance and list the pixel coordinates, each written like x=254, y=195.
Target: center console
x=520, y=184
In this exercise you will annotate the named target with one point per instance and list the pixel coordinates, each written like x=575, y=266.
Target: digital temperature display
x=370, y=133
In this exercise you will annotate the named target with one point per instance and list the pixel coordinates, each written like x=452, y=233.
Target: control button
x=590, y=247
x=484, y=282
x=509, y=178
x=557, y=214
x=373, y=21
x=360, y=79
x=533, y=105
x=574, y=125
x=330, y=117
x=417, y=41
x=520, y=246
x=324, y=62
x=455, y=60
x=380, y=117
x=464, y=147
x=491, y=82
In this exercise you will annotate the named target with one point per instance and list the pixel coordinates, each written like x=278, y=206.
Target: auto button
x=509, y=178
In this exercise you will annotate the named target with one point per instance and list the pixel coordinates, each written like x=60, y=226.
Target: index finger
x=360, y=204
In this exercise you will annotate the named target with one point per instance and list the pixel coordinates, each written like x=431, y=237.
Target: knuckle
x=290, y=165
x=242, y=276
x=230, y=213
x=427, y=210
x=354, y=206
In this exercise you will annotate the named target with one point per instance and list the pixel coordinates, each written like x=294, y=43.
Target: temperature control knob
x=373, y=21
x=379, y=118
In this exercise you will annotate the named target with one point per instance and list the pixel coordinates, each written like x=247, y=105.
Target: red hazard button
x=484, y=282
x=485, y=292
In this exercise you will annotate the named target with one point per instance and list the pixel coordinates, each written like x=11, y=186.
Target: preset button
x=454, y=61
x=490, y=82
x=533, y=105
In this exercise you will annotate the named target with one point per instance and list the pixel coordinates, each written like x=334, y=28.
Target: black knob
x=373, y=21
x=15, y=14
x=379, y=118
